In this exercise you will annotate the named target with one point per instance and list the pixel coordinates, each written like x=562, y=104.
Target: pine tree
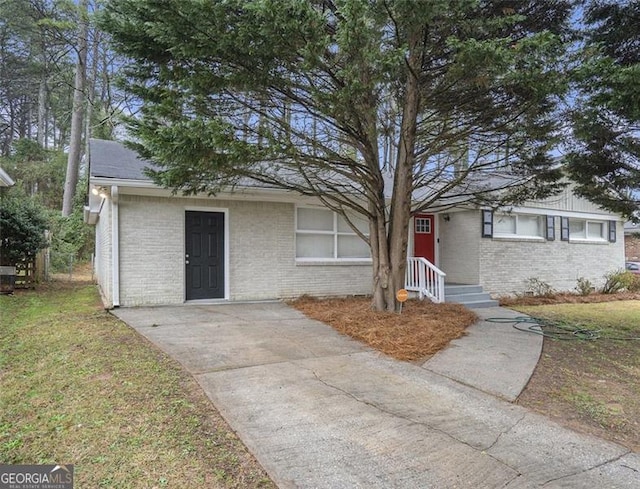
x=606, y=160
x=316, y=96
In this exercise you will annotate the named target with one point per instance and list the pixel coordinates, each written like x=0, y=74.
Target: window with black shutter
x=564, y=228
x=487, y=224
x=551, y=228
x=612, y=231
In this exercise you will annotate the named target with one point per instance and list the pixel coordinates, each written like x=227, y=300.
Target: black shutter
x=612, y=231
x=487, y=224
x=564, y=228
x=551, y=228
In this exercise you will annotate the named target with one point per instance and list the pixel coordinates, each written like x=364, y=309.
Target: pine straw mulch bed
x=421, y=330
x=567, y=298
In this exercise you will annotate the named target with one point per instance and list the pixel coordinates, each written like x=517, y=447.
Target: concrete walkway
x=319, y=410
x=493, y=357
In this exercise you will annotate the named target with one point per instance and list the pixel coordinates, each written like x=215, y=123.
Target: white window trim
x=603, y=239
x=335, y=233
x=428, y=220
x=516, y=236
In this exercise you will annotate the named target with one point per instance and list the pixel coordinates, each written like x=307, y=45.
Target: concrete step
x=462, y=289
x=476, y=296
x=471, y=296
x=480, y=304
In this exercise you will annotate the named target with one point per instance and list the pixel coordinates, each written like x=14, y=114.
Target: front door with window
x=424, y=243
x=204, y=255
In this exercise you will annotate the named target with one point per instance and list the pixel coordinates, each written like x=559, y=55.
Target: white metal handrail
x=425, y=278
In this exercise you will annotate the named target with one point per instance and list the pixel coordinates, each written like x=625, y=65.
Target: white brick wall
x=460, y=247
x=254, y=249
x=262, y=261
x=151, y=251
x=505, y=265
x=102, y=263
x=502, y=266
x=261, y=253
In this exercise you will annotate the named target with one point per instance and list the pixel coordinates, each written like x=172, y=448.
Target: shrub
x=634, y=286
x=584, y=286
x=22, y=226
x=538, y=288
x=71, y=238
x=617, y=281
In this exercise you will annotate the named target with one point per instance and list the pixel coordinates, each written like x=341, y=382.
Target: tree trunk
x=91, y=88
x=380, y=258
x=24, y=117
x=75, y=138
x=54, y=125
x=29, y=118
x=42, y=111
x=8, y=141
x=392, y=267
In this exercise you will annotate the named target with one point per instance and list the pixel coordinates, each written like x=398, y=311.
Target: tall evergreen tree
x=606, y=161
x=33, y=62
x=78, y=111
x=451, y=101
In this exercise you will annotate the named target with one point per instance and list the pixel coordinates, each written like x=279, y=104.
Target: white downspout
x=115, y=247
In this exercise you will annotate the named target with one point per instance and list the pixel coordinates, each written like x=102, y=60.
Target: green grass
x=77, y=386
x=617, y=318
x=597, y=382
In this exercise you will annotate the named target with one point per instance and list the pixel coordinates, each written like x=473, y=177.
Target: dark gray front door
x=204, y=256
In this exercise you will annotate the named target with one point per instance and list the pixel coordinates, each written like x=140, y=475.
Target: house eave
x=149, y=189
x=563, y=213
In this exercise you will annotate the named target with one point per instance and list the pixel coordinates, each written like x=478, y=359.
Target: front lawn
x=78, y=386
x=592, y=386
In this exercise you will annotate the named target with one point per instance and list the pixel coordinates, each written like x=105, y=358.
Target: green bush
x=538, y=288
x=22, y=226
x=39, y=175
x=71, y=238
x=584, y=286
x=617, y=281
x=634, y=286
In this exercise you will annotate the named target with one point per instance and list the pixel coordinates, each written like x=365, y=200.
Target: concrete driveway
x=319, y=410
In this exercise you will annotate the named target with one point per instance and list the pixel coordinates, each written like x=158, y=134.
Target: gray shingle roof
x=630, y=227
x=111, y=159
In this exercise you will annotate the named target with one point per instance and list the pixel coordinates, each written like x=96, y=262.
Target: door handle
x=186, y=261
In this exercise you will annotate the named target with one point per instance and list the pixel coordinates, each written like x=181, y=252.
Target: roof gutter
x=146, y=187
x=115, y=248
x=5, y=179
x=148, y=184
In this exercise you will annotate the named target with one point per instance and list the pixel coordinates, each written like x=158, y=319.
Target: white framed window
x=423, y=225
x=518, y=225
x=322, y=234
x=588, y=230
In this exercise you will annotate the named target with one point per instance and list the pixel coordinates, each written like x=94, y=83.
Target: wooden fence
x=26, y=275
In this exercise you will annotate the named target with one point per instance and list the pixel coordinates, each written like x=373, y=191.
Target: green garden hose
x=557, y=330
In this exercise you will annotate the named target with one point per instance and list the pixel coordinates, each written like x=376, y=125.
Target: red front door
x=424, y=241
